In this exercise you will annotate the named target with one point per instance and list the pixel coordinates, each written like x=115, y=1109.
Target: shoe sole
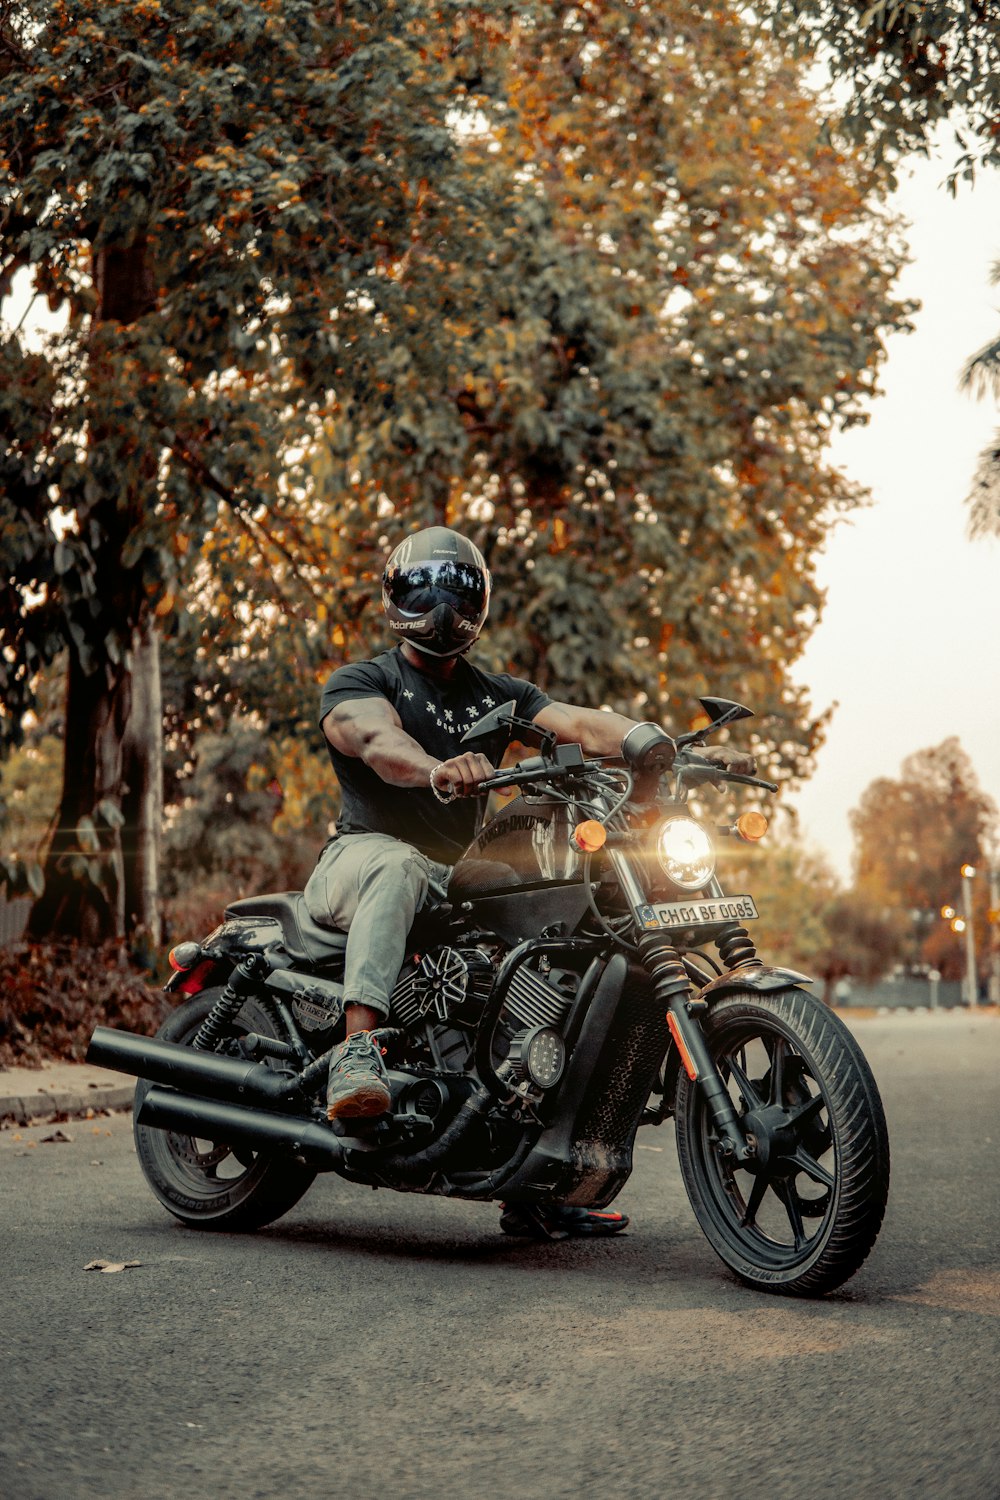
x=361, y=1105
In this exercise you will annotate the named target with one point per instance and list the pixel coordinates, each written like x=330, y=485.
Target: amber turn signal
x=590, y=836
x=751, y=826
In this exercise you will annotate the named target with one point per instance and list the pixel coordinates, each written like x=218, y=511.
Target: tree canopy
x=582, y=279
x=907, y=67
x=912, y=837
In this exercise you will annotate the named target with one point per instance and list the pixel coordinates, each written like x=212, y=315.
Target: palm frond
x=984, y=496
x=981, y=375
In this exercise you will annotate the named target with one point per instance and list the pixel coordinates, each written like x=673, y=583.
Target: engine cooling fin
x=452, y=985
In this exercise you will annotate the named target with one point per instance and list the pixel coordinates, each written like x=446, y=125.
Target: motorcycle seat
x=303, y=939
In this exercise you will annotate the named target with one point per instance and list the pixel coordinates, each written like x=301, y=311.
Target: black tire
x=806, y=1219
x=209, y=1185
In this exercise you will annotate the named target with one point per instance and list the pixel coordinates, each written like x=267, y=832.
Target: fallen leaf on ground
x=108, y=1266
x=57, y=1135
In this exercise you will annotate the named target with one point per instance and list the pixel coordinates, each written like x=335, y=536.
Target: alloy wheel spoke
x=777, y=1071
x=806, y=1112
x=812, y=1168
x=749, y=1216
x=786, y=1193
x=746, y=1088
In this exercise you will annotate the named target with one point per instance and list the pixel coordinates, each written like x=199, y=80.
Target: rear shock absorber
x=242, y=982
x=736, y=948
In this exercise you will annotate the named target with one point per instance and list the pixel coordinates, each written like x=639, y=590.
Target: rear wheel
x=207, y=1184
x=803, y=1216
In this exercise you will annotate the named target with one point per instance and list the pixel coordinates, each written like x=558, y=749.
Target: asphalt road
x=378, y=1344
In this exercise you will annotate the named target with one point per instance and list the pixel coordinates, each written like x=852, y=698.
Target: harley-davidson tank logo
x=502, y=827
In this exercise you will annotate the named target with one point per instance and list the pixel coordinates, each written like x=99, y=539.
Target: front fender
x=759, y=979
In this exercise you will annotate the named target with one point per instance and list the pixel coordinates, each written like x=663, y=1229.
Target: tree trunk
x=74, y=903
x=142, y=802
x=112, y=750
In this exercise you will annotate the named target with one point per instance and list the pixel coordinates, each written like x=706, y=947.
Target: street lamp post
x=994, y=932
x=968, y=874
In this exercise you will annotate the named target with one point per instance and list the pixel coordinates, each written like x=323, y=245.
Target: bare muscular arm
x=370, y=730
x=598, y=732
x=602, y=733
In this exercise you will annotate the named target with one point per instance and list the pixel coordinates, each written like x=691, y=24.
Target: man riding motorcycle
x=393, y=727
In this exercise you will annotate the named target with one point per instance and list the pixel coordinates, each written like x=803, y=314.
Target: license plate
x=697, y=912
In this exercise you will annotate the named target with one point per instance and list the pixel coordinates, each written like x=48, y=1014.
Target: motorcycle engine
x=449, y=987
x=445, y=984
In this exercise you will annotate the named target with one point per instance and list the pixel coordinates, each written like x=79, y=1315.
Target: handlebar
x=538, y=769
x=524, y=773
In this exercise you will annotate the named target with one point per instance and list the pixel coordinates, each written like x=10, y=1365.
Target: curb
x=43, y=1105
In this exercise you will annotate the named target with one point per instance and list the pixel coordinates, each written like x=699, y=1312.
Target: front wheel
x=207, y=1184
x=803, y=1216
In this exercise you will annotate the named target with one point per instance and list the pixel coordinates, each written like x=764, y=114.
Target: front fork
x=672, y=987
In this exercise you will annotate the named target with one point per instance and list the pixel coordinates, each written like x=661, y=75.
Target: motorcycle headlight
x=685, y=853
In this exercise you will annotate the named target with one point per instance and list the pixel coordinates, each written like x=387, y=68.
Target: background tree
x=205, y=194
x=912, y=836
x=691, y=294
x=904, y=71
x=794, y=888
x=982, y=378
x=908, y=67
x=583, y=278
x=864, y=940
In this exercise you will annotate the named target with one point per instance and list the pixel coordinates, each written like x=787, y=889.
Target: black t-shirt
x=436, y=714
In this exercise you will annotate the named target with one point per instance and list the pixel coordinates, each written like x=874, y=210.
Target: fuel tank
x=522, y=875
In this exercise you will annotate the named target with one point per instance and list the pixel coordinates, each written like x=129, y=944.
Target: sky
x=908, y=646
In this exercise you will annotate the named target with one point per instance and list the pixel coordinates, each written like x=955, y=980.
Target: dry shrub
x=52, y=995
x=195, y=911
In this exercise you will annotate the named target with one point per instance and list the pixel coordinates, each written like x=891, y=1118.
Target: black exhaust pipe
x=202, y=1073
x=234, y=1124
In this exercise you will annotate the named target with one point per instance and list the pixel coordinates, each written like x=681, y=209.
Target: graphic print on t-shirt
x=436, y=714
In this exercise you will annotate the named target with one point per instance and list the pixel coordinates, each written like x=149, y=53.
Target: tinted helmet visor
x=418, y=588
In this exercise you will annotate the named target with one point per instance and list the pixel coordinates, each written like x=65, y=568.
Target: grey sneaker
x=358, y=1084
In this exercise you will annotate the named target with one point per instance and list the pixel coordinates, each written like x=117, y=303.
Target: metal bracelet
x=445, y=797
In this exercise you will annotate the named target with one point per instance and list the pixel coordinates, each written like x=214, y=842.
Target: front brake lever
x=695, y=766
x=768, y=786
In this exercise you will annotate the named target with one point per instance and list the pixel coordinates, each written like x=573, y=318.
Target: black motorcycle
x=560, y=1000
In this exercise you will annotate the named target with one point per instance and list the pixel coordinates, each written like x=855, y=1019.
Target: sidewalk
x=60, y=1088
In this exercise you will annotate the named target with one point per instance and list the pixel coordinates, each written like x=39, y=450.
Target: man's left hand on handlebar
x=732, y=762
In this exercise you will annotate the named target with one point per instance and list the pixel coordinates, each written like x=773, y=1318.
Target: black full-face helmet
x=436, y=591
